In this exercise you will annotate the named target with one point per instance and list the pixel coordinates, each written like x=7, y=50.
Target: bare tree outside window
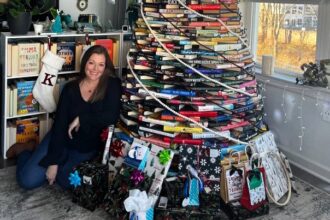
x=288, y=32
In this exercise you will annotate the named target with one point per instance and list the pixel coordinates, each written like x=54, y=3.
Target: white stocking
x=43, y=89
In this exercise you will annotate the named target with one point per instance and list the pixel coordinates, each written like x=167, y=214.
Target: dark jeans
x=30, y=174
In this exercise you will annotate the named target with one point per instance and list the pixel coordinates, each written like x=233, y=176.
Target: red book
x=180, y=140
x=234, y=125
x=108, y=44
x=157, y=141
x=177, y=118
x=205, y=7
x=199, y=114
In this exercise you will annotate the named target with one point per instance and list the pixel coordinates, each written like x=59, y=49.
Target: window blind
x=288, y=1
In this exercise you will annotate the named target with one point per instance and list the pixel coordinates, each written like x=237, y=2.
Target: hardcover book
x=28, y=58
x=26, y=103
x=67, y=50
x=27, y=130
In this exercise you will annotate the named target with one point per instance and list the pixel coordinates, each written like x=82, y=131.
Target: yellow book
x=27, y=129
x=182, y=129
x=115, y=46
x=53, y=48
x=79, y=51
x=9, y=50
x=14, y=60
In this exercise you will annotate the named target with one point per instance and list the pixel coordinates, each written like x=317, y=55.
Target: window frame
x=251, y=23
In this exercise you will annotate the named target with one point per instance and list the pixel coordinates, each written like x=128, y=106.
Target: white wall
x=106, y=10
x=97, y=7
x=314, y=154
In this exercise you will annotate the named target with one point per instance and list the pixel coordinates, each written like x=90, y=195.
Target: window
x=287, y=32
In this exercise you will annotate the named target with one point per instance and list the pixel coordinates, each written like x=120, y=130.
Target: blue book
x=178, y=92
x=26, y=103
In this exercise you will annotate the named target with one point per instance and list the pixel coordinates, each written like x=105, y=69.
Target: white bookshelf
x=7, y=38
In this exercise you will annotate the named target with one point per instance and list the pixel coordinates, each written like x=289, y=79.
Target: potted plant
x=19, y=13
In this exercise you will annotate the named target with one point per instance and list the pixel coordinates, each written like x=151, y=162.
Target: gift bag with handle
x=254, y=188
x=231, y=181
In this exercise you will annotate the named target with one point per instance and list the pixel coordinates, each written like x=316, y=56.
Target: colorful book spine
x=178, y=92
x=183, y=129
x=26, y=103
x=177, y=118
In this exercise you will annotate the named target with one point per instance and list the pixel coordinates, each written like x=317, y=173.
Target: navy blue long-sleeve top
x=93, y=118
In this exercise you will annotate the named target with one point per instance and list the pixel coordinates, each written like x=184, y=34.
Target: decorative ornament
x=116, y=148
x=137, y=176
x=75, y=179
x=164, y=156
x=82, y=4
x=104, y=134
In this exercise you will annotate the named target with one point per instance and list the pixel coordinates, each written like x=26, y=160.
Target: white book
x=210, y=135
x=157, y=121
x=154, y=131
x=158, y=95
x=127, y=121
x=223, y=66
x=206, y=108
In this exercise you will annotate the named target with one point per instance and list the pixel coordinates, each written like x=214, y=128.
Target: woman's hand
x=75, y=124
x=51, y=173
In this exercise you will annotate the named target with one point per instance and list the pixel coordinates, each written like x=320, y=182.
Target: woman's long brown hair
x=109, y=71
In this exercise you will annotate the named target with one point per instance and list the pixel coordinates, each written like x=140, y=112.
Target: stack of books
x=205, y=45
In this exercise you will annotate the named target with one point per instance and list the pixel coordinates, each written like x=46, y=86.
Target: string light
x=310, y=91
x=301, y=121
x=263, y=93
x=283, y=105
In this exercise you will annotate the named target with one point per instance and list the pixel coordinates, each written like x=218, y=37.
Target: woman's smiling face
x=95, y=67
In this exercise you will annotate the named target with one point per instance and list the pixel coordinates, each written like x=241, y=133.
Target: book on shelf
x=27, y=129
x=14, y=60
x=28, y=58
x=67, y=51
x=108, y=44
x=26, y=103
x=9, y=51
x=10, y=136
x=79, y=52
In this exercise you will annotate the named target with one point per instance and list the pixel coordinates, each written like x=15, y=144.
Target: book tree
x=190, y=106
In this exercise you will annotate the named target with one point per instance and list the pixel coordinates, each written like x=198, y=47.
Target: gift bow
x=116, y=148
x=139, y=202
x=164, y=156
x=75, y=179
x=137, y=176
x=255, y=178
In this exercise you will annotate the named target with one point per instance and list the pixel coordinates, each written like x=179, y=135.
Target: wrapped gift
x=90, y=180
x=188, y=156
x=209, y=163
x=276, y=178
x=118, y=151
x=158, y=163
x=138, y=154
x=235, y=210
x=212, y=187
